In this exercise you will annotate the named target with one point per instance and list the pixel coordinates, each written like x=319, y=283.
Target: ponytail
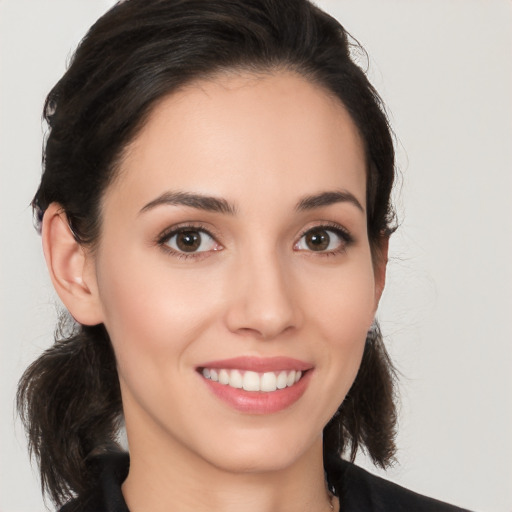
x=70, y=404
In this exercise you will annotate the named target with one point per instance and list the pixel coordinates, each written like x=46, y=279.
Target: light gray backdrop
x=444, y=68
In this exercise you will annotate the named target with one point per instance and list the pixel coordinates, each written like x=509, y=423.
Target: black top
x=358, y=491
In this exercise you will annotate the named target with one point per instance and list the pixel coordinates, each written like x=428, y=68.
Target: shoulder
x=357, y=489
x=360, y=491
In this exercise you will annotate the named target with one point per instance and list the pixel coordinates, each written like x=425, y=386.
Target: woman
x=215, y=213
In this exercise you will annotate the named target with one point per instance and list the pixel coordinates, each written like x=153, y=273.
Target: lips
x=257, y=385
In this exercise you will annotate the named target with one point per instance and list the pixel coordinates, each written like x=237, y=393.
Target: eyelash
x=165, y=236
x=345, y=236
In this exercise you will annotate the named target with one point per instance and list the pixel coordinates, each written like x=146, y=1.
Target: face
x=234, y=271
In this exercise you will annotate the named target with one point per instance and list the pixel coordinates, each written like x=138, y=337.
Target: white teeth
x=253, y=381
x=223, y=377
x=268, y=382
x=290, y=380
x=235, y=379
x=282, y=379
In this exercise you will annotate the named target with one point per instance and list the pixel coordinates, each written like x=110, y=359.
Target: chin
x=264, y=455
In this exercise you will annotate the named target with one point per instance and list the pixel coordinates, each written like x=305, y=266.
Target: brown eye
x=188, y=241
x=191, y=240
x=323, y=239
x=317, y=240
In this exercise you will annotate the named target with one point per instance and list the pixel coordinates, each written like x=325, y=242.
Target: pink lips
x=259, y=364
x=259, y=402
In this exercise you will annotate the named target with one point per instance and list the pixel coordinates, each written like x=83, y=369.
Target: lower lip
x=259, y=402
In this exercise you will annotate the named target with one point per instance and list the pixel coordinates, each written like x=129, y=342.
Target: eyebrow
x=199, y=201
x=328, y=198
x=220, y=205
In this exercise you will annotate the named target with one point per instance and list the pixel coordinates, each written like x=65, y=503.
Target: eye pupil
x=318, y=240
x=188, y=241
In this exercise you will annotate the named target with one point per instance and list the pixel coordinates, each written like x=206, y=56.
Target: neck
x=172, y=477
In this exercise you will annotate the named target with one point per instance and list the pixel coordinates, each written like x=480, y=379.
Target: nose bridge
x=263, y=302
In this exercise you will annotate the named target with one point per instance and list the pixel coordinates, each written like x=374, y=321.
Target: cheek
x=343, y=305
x=151, y=312
x=342, y=312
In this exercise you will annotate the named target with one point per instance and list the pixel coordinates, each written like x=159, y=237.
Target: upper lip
x=259, y=364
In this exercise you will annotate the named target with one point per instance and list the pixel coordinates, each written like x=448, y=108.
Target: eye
x=190, y=240
x=323, y=239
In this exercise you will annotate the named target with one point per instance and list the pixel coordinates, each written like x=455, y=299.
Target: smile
x=257, y=385
x=253, y=381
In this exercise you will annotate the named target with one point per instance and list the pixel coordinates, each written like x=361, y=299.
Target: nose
x=262, y=302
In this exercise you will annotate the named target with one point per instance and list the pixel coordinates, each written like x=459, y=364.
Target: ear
x=71, y=268
x=380, y=261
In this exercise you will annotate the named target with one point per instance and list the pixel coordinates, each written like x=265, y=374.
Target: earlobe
x=70, y=268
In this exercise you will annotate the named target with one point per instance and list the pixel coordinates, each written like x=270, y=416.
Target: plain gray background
x=444, y=68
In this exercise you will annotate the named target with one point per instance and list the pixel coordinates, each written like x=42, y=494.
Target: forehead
x=241, y=135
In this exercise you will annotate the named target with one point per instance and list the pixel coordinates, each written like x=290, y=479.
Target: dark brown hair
x=137, y=53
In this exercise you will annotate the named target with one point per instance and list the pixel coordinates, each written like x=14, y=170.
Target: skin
x=261, y=143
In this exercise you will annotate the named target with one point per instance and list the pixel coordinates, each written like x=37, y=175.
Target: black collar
x=357, y=490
